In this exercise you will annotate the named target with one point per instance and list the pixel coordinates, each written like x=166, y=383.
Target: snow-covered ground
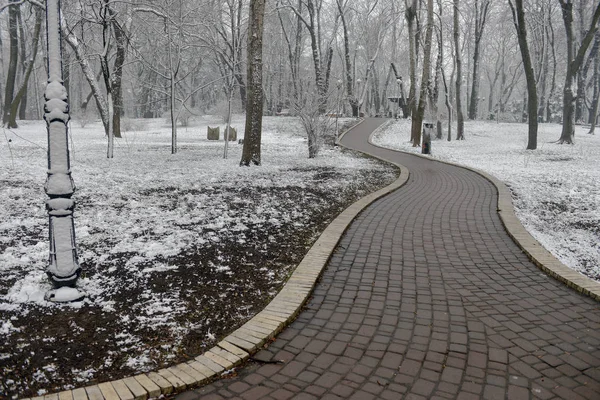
x=142, y=163
x=555, y=189
x=174, y=248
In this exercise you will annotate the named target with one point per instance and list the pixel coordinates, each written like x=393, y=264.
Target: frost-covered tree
x=518, y=13
x=11, y=76
x=226, y=30
x=19, y=102
x=574, y=61
x=314, y=121
x=482, y=11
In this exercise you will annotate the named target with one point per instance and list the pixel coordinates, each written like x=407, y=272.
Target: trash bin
x=426, y=143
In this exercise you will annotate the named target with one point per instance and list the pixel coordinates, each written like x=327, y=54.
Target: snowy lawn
x=176, y=250
x=555, y=189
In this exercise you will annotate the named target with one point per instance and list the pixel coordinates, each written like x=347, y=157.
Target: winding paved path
x=426, y=297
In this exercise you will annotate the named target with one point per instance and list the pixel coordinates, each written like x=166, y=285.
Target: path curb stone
x=249, y=338
x=541, y=257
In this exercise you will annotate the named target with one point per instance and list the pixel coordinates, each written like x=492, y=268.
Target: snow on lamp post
x=63, y=267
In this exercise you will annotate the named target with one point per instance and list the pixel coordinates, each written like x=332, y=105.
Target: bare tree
x=417, y=119
x=294, y=45
x=321, y=62
x=481, y=14
x=315, y=122
x=349, y=76
x=254, y=106
x=574, y=61
x=593, y=117
x=11, y=76
x=226, y=32
x=460, y=119
x=410, y=14
x=20, y=97
x=519, y=21
x=582, y=73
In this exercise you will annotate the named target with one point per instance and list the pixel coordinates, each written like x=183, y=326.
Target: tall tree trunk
x=550, y=35
x=101, y=102
x=254, y=105
x=591, y=61
x=574, y=61
x=11, y=75
x=293, y=53
x=443, y=75
x=411, y=14
x=417, y=120
x=145, y=95
x=24, y=66
x=106, y=74
x=481, y=13
x=384, y=93
x=435, y=92
x=593, y=117
x=518, y=14
x=544, y=69
x=320, y=78
x=117, y=75
x=460, y=119
x=582, y=73
x=21, y=93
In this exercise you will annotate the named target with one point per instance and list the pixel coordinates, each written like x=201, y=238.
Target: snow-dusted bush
x=133, y=125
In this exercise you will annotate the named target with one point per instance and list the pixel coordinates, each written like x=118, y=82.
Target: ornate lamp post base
x=64, y=294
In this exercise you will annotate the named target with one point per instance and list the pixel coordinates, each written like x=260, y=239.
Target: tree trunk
x=550, y=35
x=293, y=53
x=574, y=61
x=481, y=13
x=435, y=92
x=242, y=87
x=24, y=67
x=101, y=102
x=518, y=14
x=145, y=95
x=446, y=86
x=30, y=64
x=11, y=75
x=460, y=120
x=411, y=14
x=254, y=105
x=543, y=72
x=106, y=75
x=593, y=117
x=316, y=55
x=417, y=121
x=117, y=75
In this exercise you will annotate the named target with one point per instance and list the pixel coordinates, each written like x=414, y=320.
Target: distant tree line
x=533, y=61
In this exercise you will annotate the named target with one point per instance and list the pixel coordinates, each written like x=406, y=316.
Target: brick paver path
x=427, y=297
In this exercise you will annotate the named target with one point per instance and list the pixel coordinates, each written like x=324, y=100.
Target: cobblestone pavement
x=426, y=297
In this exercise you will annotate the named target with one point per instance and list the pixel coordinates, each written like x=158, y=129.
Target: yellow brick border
x=541, y=257
x=246, y=340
